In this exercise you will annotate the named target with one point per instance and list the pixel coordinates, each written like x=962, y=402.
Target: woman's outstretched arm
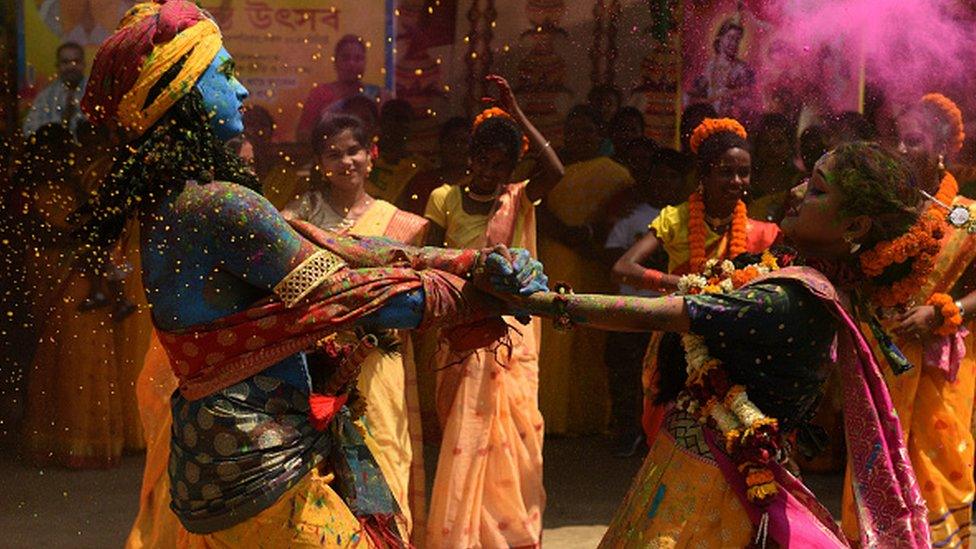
x=610, y=312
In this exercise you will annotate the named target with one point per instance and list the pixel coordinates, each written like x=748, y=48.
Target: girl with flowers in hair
x=919, y=324
x=263, y=450
x=712, y=224
x=488, y=489
x=746, y=373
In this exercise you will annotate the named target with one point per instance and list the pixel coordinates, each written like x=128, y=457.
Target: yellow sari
x=155, y=525
x=132, y=335
x=488, y=489
x=389, y=383
x=573, y=392
x=387, y=181
x=935, y=413
x=79, y=411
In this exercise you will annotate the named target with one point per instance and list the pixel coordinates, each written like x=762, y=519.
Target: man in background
x=349, y=57
x=58, y=102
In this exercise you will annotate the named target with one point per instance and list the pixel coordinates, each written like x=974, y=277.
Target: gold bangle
x=309, y=274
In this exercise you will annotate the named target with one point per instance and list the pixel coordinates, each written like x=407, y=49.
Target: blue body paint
x=223, y=95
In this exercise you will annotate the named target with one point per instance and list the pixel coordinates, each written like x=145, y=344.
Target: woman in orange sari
x=712, y=224
x=932, y=377
x=488, y=489
x=337, y=201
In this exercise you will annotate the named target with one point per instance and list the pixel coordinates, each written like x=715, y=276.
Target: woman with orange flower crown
x=488, y=488
x=712, y=224
x=752, y=342
x=931, y=376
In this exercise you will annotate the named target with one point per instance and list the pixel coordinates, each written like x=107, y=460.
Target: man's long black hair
x=180, y=147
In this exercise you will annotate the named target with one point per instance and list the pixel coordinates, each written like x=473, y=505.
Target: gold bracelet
x=307, y=276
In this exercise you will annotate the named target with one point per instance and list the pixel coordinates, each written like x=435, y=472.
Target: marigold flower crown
x=920, y=245
x=713, y=126
x=493, y=112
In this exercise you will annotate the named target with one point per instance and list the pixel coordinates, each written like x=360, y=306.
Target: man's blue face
x=223, y=96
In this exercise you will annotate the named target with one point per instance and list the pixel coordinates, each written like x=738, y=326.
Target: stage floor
x=55, y=507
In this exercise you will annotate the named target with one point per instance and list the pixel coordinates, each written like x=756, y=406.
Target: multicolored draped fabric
x=238, y=448
x=235, y=453
x=388, y=382
x=208, y=358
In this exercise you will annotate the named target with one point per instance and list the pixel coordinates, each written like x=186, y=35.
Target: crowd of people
x=283, y=332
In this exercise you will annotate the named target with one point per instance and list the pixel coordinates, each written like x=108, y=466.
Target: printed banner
x=746, y=57
x=283, y=48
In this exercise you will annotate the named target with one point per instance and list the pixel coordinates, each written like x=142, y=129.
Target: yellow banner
x=283, y=48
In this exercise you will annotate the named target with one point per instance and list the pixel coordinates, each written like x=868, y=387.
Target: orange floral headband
x=952, y=115
x=492, y=112
x=713, y=126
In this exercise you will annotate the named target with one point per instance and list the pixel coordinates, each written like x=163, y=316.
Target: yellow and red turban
x=151, y=38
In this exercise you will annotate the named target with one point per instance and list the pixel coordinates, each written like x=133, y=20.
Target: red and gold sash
x=215, y=355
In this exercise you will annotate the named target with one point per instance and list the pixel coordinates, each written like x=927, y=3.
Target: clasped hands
x=510, y=273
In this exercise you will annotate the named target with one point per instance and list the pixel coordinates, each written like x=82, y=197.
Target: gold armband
x=307, y=276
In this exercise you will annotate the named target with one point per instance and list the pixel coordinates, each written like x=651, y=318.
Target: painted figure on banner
x=727, y=81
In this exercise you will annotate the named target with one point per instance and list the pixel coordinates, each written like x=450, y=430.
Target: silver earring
x=855, y=246
x=942, y=162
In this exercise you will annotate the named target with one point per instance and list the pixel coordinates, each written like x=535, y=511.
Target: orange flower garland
x=712, y=126
x=951, y=316
x=697, y=232
x=501, y=113
x=948, y=108
x=920, y=243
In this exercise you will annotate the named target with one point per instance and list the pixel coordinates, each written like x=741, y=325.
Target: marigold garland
x=953, y=116
x=752, y=439
x=921, y=244
x=712, y=126
x=949, y=310
x=738, y=231
x=492, y=112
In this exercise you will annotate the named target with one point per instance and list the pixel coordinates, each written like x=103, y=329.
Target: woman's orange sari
x=936, y=412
